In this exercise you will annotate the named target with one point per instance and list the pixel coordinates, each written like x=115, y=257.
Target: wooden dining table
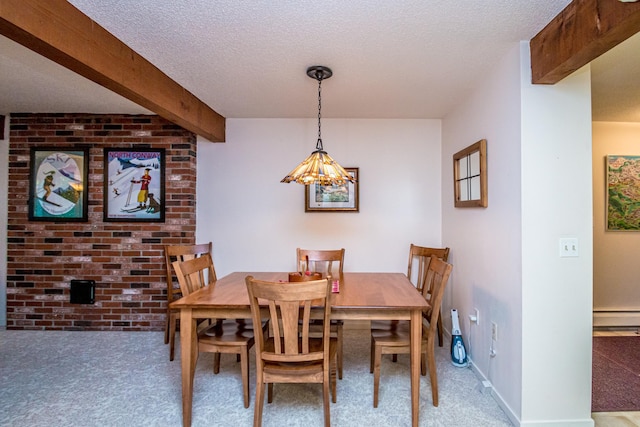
x=361, y=296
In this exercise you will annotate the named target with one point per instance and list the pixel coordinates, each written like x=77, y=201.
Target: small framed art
x=333, y=198
x=470, y=176
x=134, y=188
x=58, y=184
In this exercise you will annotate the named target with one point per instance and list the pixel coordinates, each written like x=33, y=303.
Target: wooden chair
x=178, y=253
x=223, y=336
x=419, y=258
x=397, y=339
x=324, y=261
x=291, y=355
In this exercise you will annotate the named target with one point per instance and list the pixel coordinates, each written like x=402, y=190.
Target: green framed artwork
x=58, y=184
x=334, y=198
x=623, y=193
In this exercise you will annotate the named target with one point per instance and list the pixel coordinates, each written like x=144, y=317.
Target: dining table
x=360, y=296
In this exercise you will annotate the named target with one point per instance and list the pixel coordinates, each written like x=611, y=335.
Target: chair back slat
x=437, y=278
x=194, y=273
x=419, y=259
x=183, y=253
x=289, y=307
x=328, y=262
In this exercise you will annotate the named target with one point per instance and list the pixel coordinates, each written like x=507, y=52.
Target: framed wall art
x=623, y=193
x=470, y=176
x=333, y=198
x=58, y=184
x=134, y=188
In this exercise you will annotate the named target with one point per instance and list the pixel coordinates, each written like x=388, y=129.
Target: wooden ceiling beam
x=60, y=32
x=584, y=30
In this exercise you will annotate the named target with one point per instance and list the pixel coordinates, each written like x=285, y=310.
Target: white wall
x=485, y=242
x=556, y=292
x=256, y=222
x=506, y=257
x=615, y=266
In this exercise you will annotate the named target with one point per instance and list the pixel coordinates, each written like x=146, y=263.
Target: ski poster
x=58, y=184
x=134, y=185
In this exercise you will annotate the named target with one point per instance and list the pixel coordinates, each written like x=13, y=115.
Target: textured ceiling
x=402, y=59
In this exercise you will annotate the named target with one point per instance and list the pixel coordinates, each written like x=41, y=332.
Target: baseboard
x=485, y=386
x=616, y=318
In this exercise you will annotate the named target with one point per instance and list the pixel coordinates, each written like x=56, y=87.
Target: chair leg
x=440, y=338
x=270, y=392
x=257, y=413
x=166, y=327
x=433, y=376
x=376, y=374
x=325, y=399
x=423, y=363
x=339, y=349
x=332, y=379
x=244, y=368
x=172, y=335
x=216, y=363
x=373, y=345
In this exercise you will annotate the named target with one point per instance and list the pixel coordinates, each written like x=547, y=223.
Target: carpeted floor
x=616, y=374
x=121, y=379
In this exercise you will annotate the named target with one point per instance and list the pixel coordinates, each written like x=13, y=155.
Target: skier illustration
x=47, y=184
x=144, y=188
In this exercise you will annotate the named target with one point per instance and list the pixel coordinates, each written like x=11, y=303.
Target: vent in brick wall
x=83, y=292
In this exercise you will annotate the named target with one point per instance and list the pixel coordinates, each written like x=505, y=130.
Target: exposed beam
x=60, y=32
x=584, y=30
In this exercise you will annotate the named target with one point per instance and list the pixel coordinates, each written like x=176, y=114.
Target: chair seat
x=228, y=332
x=385, y=325
x=301, y=372
x=398, y=333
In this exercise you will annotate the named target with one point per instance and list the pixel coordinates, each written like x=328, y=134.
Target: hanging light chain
x=319, y=143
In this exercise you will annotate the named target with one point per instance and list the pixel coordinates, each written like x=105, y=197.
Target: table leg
x=187, y=360
x=416, y=337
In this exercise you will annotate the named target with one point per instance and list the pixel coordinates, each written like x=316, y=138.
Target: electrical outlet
x=494, y=332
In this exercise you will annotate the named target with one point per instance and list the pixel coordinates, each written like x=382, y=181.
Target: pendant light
x=319, y=167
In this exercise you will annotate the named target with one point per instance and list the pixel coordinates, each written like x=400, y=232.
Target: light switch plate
x=568, y=247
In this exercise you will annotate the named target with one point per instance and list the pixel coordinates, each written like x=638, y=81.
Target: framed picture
x=134, y=185
x=470, y=176
x=333, y=198
x=623, y=193
x=58, y=184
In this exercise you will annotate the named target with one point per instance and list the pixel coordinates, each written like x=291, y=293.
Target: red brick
x=77, y=257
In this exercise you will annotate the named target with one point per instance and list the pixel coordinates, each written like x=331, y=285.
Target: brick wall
x=125, y=259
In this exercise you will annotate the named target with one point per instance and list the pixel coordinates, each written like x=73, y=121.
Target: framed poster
x=58, y=184
x=333, y=198
x=134, y=185
x=623, y=193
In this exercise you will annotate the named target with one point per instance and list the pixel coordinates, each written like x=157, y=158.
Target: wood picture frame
x=58, y=184
x=134, y=187
x=470, y=176
x=334, y=198
x=622, y=193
